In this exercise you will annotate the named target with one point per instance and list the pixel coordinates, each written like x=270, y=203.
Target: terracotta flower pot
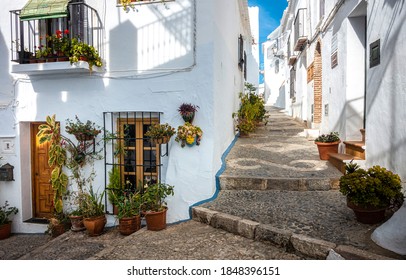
x=162, y=140
x=326, y=148
x=368, y=214
x=77, y=223
x=95, y=225
x=5, y=231
x=129, y=225
x=156, y=220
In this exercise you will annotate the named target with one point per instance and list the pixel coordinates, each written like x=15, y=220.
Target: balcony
x=32, y=32
x=300, y=38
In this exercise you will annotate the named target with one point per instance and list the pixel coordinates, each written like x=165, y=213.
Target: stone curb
x=301, y=244
x=292, y=184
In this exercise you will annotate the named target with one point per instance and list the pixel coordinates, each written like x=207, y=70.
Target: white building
x=155, y=58
x=346, y=73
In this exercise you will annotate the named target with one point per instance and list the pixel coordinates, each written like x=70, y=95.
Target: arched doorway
x=318, y=85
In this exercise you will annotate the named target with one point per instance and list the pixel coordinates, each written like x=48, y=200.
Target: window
x=130, y=152
x=241, y=60
x=277, y=66
x=375, y=53
x=245, y=65
x=140, y=158
x=334, y=51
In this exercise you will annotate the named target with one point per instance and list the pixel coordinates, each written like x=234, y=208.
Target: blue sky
x=270, y=13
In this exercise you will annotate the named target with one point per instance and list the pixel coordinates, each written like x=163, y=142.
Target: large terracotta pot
x=129, y=225
x=95, y=225
x=326, y=148
x=369, y=214
x=5, y=231
x=156, y=220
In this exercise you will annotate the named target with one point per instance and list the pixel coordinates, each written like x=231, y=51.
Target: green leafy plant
x=60, y=42
x=157, y=131
x=128, y=204
x=82, y=51
x=50, y=132
x=82, y=130
x=328, y=138
x=153, y=198
x=93, y=205
x=115, y=187
x=188, y=134
x=5, y=212
x=127, y=4
x=251, y=111
x=375, y=186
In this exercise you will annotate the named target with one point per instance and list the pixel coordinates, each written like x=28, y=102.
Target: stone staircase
x=276, y=189
x=354, y=150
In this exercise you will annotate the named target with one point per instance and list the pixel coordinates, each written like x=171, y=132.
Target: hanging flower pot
x=190, y=141
x=187, y=111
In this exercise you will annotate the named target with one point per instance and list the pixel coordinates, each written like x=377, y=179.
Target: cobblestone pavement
x=189, y=240
x=271, y=187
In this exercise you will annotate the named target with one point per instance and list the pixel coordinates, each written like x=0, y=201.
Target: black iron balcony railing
x=300, y=39
x=29, y=36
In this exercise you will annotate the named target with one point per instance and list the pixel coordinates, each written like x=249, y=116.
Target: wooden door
x=41, y=176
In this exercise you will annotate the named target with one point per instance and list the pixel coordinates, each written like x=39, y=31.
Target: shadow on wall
x=6, y=91
x=281, y=100
x=165, y=42
x=387, y=67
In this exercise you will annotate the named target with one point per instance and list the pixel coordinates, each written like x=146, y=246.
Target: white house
x=154, y=59
x=346, y=72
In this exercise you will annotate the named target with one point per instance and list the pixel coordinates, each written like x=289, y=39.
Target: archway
x=318, y=89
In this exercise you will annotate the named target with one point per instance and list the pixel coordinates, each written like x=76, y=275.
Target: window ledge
x=53, y=68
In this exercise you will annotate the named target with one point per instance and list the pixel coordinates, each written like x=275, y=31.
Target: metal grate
x=131, y=159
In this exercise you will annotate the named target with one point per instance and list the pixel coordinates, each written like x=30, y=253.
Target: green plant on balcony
x=81, y=51
x=60, y=42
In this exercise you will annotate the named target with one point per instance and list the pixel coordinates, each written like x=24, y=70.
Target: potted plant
x=50, y=132
x=92, y=209
x=251, y=111
x=61, y=44
x=5, y=222
x=58, y=225
x=76, y=219
x=371, y=192
x=189, y=134
x=82, y=131
x=327, y=143
x=160, y=133
x=129, y=218
x=154, y=205
x=187, y=111
x=84, y=52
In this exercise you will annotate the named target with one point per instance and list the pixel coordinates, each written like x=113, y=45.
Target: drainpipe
x=365, y=72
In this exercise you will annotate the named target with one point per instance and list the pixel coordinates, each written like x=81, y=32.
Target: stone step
x=355, y=148
x=340, y=160
x=283, y=184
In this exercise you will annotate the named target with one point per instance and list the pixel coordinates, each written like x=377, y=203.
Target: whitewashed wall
x=149, y=66
x=386, y=98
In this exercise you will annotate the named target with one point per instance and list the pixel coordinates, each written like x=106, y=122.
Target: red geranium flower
x=66, y=32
